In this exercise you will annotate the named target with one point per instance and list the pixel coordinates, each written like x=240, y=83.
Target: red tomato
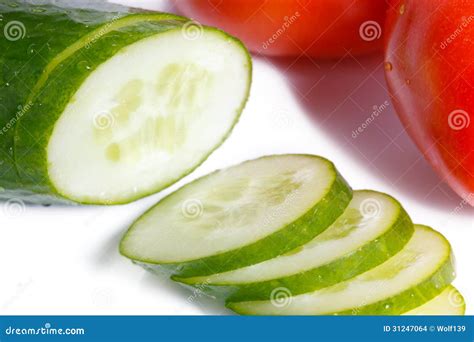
x=430, y=73
x=317, y=28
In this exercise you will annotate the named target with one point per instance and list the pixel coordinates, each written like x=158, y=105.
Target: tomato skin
x=430, y=74
x=316, y=28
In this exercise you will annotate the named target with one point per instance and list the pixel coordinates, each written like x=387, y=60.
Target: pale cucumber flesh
x=148, y=116
x=372, y=229
x=419, y=272
x=450, y=302
x=240, y=215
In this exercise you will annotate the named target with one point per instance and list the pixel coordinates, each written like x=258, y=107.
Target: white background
x=64, y=260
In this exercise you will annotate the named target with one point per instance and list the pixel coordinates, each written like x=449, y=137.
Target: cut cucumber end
x=239, y=216
x=419, y=272
x=373, y=228
x=449, y=303
x=148, y=116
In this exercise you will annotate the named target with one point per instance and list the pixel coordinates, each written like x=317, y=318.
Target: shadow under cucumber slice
x=373, y=228
x=449, y=303
x=416, y=274
x=239, y=216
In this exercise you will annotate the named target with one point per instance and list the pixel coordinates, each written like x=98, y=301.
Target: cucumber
x=373, y=228
x=28, y=57
x=416, y=274
x=239, y=216
x=449, y=303
x=122, y=104
x=23, y=65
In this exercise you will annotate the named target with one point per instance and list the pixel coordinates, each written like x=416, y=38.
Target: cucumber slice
x=125, y=108
x=419, y=272
x=449, y=303
x=373, y=228
x=143, y=128
x=239, y=216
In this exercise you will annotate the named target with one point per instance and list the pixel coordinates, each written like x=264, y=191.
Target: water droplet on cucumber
x=83, y=65
x=38, y=10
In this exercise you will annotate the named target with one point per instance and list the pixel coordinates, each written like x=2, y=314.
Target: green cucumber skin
x=458, y=305
x=411, y=298
x=369, y=256
x=22, y=62
x=403, y=302
x=301, y=231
